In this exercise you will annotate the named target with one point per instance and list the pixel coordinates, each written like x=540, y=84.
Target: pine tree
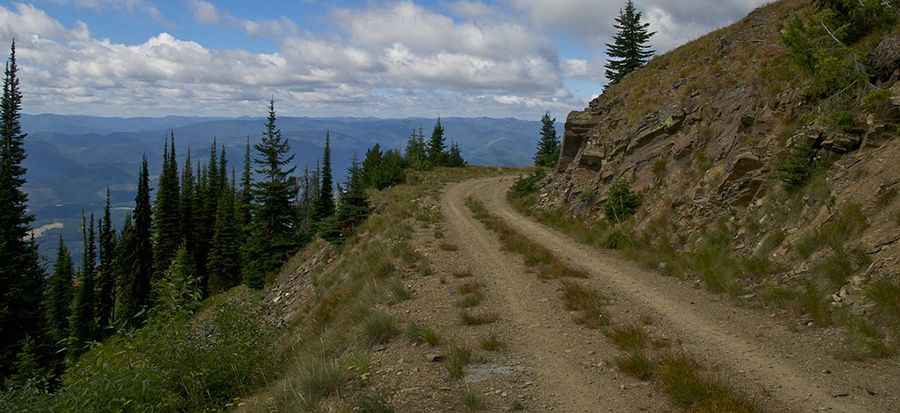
x=416, y=151
x=245, y=203
x=106, y=274
x=177, y=292
x=353, y=207
x=548, y=145
x=224, y=263
x=372, y=168
x=187, y=206
x=138, y=256
x=436, y=146
x=630, y=48
x=124, y=261
x=58, y=301
x=454, y=157
x=82, y=321
x=203, y=223
x=29, y=370
x=325, y=204
x=273, y=235
x=21, y=274
x=167, y=222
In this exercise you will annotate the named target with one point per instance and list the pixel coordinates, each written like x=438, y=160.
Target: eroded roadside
x=760, y=356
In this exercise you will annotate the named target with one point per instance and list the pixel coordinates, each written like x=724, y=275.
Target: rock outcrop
x=701, y=133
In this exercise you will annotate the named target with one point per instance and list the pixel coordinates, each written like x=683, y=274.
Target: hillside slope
x=754, y=179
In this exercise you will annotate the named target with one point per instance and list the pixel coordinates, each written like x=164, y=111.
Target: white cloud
x=388, y=59
x=204, y=11
x=207, y=13
x=131, y=6
x=576, y=68
x=452, y=70
x=676, y=21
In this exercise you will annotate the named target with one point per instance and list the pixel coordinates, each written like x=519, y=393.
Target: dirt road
x=758, y=353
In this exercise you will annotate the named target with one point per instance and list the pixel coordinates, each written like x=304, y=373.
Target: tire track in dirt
x=781, y=368
x=555, y=348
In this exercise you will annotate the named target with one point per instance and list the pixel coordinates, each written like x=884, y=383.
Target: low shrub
x=419, y=334
x=174, y=362
x=621, y=202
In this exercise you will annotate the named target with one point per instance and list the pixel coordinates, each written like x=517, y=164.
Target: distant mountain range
x=73, y=159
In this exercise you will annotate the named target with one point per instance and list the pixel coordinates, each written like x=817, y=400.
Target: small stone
x=434, y=357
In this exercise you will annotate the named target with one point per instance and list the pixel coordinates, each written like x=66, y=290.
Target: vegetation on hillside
x=155, y=318
x=819, y=94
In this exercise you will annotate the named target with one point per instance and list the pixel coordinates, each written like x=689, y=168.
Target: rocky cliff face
x=700, y=132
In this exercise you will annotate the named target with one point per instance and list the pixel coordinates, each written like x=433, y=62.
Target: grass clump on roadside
x=536, y=256
x=690, y=388
x=636, y=364
x=492, y=343
x=588, y=302
x=418, y=334
x=477, y=319
x=380, y=328
x=472, y=401
x=457, y=359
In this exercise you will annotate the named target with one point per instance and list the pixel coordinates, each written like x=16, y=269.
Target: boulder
x=741, y=182
x=651, y=128
x=884, y=60
x=842, y=143
x=591, y=157
x=578, y=128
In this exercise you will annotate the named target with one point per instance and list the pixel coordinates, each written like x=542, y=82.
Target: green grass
x=472, y=401
x=380, y=328
x=470, y=300
x=373, y=403
x=477, y=319
x=419, y=334
x=398, y=292
x=492, y=343
x=167, y=366
x=689, y=388
x=457, y=360
x=536, y=256
x=588, y=302
x=846, y=224
x=320, y=380
x=629, y=338
x=637, y=365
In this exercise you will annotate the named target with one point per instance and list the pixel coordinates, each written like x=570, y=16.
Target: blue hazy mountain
x=73, y=159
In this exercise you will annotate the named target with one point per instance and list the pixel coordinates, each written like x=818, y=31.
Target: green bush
x=528, y=184
x=795, y=169
x=173, y=364
x=621, y=202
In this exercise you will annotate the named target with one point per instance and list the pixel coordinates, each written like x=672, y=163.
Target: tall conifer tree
x=224, y=263
x=437, y=146
x=202, y=227
x=548, y=145
x=167, y=222
x=273, y=233
x=82, y=321
x=58, y=303
x=630, y=48
x=140, y=260
x=325, y=203
x=106, y=278
x=245, y=201
x=187, y=207
x=21, y=274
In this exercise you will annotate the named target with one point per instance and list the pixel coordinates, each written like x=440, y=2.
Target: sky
x=361, y=58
